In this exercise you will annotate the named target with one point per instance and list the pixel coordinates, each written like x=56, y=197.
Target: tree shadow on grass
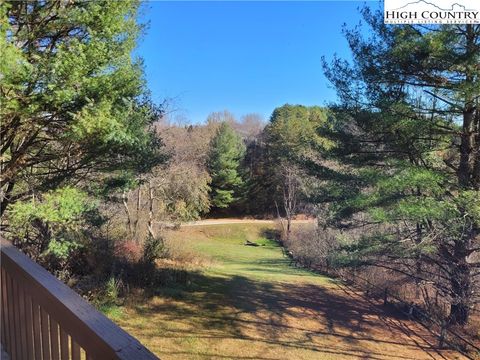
x=293, y=316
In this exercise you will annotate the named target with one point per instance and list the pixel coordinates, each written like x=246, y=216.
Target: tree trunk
x=137, y=215
x=282, y=223
x=127, y=211
x=467, y=148
x=469, y=145
x=461, y=276
x=150, y=210
x=289, y=196
x=5, y=197
x=461, y=288
x=289, y=225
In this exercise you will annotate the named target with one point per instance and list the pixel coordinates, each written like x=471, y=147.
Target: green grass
x=248, y=302
x=112, y=311
x=225, y=244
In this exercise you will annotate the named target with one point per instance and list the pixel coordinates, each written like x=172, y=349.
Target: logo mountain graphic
x=429, y=3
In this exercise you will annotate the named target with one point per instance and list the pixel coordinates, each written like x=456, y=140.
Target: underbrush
x=181, y=255
x=126, y=270
x=312, y=247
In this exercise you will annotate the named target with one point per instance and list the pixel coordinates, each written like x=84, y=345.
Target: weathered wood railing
x=43, y=319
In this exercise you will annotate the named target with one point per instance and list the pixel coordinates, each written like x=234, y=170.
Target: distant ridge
x=429, y=3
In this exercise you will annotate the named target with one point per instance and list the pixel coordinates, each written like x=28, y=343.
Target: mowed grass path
x=249, y=303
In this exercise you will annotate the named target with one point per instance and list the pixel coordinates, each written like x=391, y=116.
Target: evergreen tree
x=75, y=114
x=226, y=152
x=295, y=132
x=73, y=99
x=408, y=132
x=293, y=137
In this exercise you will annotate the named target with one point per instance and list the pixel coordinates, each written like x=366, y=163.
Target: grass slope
x=249, y=303
x=225, y=245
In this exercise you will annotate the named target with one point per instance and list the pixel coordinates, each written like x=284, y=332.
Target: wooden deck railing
x=43, y=319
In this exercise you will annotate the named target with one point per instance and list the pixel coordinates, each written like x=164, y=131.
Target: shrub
x=53, y=227
x=111, y=291
x=128, y=251
x=153, y=249
x=311, y=246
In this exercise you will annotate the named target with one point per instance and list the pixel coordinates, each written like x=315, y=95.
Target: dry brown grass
x=250, y=304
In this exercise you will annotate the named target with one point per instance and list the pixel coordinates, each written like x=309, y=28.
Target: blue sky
x=247, y=57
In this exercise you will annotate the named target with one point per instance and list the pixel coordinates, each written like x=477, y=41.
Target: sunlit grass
x=114, y=312
x=248, y=302
x=226, y=245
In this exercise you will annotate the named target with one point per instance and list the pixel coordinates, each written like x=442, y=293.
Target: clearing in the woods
x=248, y=302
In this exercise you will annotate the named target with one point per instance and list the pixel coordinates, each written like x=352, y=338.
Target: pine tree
x=75, y=119
x=292, y=138
x=74, y=100
x=226, y=153
x=408, y=131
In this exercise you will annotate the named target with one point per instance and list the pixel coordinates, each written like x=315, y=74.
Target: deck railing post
x=42, y=318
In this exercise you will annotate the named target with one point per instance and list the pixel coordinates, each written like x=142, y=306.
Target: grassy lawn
x=247, y=302
x=224, y=244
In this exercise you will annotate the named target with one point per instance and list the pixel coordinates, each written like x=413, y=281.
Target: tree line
x=392, y=169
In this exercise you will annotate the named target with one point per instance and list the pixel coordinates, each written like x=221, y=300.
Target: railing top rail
x=92, y=330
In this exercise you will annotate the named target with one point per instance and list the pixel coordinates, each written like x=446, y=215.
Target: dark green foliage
x=226, y=152
x=54, y=228
x=153, y=249
x=74, y=101
x=294, y=136
x=295, y=132
x=76, y=119
x=407, y=130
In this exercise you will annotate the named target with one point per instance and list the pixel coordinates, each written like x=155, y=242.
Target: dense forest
x=93, y=172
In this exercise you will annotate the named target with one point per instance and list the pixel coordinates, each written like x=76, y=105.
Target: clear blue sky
x=247, y=57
